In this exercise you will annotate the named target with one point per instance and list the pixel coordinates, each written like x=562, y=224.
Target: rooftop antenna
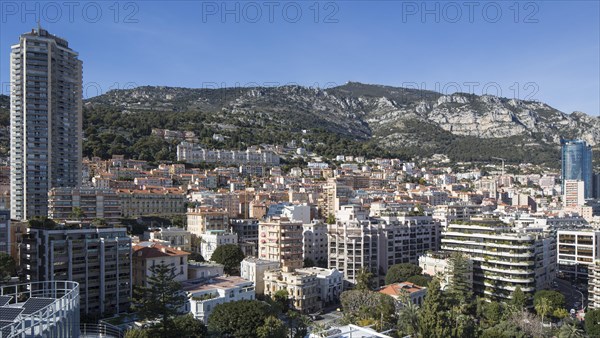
x=39, y=26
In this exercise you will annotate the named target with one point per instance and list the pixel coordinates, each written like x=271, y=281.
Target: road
x=571, y=294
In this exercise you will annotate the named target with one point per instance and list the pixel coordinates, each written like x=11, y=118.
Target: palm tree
x=408, y=318
x=542, y=308
x=570, y=329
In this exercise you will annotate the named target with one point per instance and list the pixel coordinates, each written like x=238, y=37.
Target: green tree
x=363, y=279
x=272, y=328
x=543, y=307
x=7, y=267
x=518, y=299
x=330, y=219
x=571, y=329
x=76, y=213
x=282, y=299
x=459, y=286
x=161, y=299
x=408, y=318
x=238, y=319
x=188, y=326
x=137, y=333
x=555, y=298
x=401, y=272
x=420, y=280
x=194, y=256
x=592, y=323
x=433, y=319
x=230, y=255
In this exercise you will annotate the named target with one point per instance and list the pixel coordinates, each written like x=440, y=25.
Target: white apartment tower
x=45, y=121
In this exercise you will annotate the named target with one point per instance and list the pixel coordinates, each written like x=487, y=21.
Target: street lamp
x=581, y=297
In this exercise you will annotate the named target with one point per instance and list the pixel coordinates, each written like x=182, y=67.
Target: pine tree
x=459, y=286
x=433, y=320
x=161, y=298
x=519, y=299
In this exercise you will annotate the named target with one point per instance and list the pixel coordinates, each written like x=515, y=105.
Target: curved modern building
x=577, y=164
x=40, y=309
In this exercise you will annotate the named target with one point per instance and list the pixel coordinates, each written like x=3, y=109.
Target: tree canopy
x=401, y=272
x=239, y=319
x=230, y=255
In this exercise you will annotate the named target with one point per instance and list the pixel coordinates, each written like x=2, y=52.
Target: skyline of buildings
x=310, y=231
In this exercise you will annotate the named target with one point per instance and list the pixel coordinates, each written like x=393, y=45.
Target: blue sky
x=545, y=50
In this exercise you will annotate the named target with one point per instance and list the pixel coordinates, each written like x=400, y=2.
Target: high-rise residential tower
x=577, y=164
x=45, y=121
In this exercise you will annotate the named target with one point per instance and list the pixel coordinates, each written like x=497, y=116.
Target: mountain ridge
x=394, y=120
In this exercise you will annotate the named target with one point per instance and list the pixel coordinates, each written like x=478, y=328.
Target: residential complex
x=358, y=241
x=281, y=241
x=503, y=259
x=46, y=117
x=84, y=204
x=578, y=249
x=99, y=259
x=194, y=153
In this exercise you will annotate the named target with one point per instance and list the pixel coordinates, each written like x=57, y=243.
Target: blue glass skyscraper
x=577, y=164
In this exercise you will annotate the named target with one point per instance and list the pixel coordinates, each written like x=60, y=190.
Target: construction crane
x=501, y=159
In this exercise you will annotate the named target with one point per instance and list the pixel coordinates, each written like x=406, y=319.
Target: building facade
x=281, y=241
x=152, y=201
x=503, y=259
x=577, y=164
x=357, y=241
x=194, y=153
x=201, y=220
x=204, y=295
x=5, y=238
x=46, y=117
x=577, y=251
x=91, y=204
x=302, y=288
x=253, y=269
x=99, y=259
x=314, y=240
x=213, y=239
x=176, y=237
x=146, y=255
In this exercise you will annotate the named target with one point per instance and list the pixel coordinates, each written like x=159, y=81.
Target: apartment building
x=330, y=284
x=335, y=194
x=200, y=220
x=437, y=264
x=148, y=254
x=99, y=259
x=91, y=203
x=281, y=241
x=357, y=241
x=503, y=259
x=152, y=201
x=204, y=295
x=577, y=251
x=573, y=193
x=177, y=238
x=194, y=153
x=253, y=269
x=246, y=229
x=45, y=121
x=314, y=240
x=212, y=239
x=302, y=288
